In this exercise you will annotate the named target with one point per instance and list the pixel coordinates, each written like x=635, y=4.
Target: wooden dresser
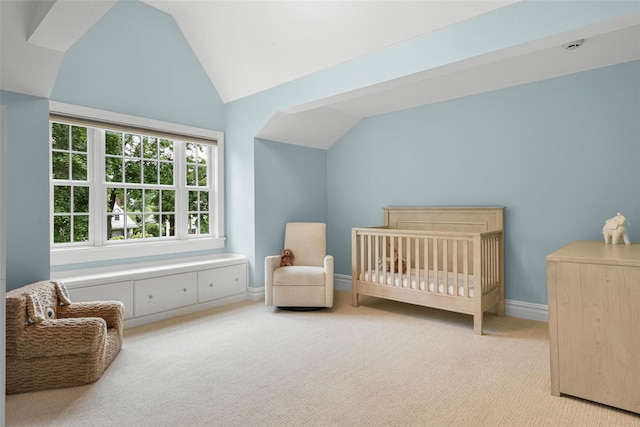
x=594, y=322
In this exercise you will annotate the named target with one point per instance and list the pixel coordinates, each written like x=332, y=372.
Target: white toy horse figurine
x=614, y=229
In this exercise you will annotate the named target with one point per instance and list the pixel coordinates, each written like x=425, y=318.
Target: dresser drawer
x=164, y=293
x=120, y=291
x=222, y=282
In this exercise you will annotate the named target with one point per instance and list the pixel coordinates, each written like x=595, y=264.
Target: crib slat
x=454, y=253
x=425, y=244
x=392, y=252
x=383, y=248
x=416, y=256
x=445, y=266
x=398, y=265
x=366, y=265
x=465, y=267
x=435, y=266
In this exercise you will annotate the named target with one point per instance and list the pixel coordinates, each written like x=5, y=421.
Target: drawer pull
x=184, y=289
x=211, y=285
x=150, y=296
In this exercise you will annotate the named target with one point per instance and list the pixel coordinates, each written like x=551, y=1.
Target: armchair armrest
x=328, y=264
x=111, y=311
x=58, y=337
x=270, y=264
x=328, y=269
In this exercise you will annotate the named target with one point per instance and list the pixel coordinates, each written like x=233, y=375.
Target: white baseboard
x=255, y=294
x=526, y=310
x=342, y=282
x=512, y=308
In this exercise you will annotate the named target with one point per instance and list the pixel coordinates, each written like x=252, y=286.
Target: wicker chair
x=52, y=342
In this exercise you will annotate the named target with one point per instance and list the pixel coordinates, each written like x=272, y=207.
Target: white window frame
x=74, y=254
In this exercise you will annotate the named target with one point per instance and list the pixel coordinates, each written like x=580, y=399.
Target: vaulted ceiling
x=246, y=47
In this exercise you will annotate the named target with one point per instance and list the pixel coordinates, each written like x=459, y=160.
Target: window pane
x=193, y=224
x=60, y=165
x=79, y=167
x=204, y=201
x=168, y=225
x=135, y=232
x=113, y=169
x=168, y=201
x=202, y=176
x=79, y=138
x=166, y=173
x=62, y=229
x=152, y=226
x=191, y=153
x=61, y=198
x=132, y=145
x=166, y=149
x=113, y=143
x=193, y=201
x=81, y=228
x=202, y=153
x=134, y=201
x=150, y=172
x=114, y=231
x=59, y=136
x=152, y=200
x=114, y=197
x=132, y=169
x=191, y=175
x=150, y=147
x=81, y=199
x=204, y=224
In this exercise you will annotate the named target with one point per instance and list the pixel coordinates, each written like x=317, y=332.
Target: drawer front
x=164, y=293
x=222, y=282
x=120, y=291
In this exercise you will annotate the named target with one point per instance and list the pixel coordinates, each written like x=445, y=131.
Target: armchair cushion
x=299, y=275
x=308, y=242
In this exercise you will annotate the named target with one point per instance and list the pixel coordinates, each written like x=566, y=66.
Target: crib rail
x=455, y=264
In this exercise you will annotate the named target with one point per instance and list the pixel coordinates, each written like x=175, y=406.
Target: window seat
x=159, y=290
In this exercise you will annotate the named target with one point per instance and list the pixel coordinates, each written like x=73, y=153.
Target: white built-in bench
x=160, y=290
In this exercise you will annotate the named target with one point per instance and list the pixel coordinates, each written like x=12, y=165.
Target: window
x=71, y=192
x=124, y=186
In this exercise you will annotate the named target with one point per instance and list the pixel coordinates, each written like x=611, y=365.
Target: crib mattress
x=410, y=281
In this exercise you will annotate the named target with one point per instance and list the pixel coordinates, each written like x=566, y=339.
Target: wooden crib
x=446, y=258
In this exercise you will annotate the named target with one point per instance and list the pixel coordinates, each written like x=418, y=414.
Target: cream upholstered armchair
x=309, y=282
x=52, y=342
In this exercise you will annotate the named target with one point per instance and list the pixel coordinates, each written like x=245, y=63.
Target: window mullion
x=182, y=200
x=213, y=191
x=98, y=200
x=51, y=188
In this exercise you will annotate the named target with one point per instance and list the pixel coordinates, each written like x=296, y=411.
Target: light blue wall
x=136, y=61
x=291, y=186
x=27, y=174
x=561, y=155
x=519, y=23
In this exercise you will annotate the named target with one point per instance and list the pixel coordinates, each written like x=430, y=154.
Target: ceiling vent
x=573, y=45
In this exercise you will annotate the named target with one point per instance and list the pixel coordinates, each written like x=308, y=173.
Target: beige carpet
x=382, y=364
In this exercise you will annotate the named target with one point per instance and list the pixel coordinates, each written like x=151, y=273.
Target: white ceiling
x=249, y=46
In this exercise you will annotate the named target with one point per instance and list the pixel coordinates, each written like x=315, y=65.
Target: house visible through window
x=114, y=185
